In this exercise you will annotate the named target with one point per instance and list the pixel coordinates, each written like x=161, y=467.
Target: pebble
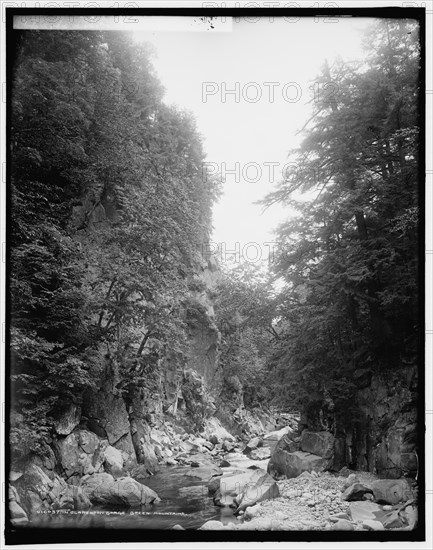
x=344, y=525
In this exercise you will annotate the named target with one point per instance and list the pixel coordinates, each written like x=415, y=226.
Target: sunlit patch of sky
x=247, y=137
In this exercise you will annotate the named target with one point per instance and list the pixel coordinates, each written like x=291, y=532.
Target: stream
x=184, y=501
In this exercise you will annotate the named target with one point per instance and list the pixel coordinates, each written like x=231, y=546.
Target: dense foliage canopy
x=109, y=215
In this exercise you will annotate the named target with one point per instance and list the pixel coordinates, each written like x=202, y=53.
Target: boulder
x=271, y=439
x=224, y=464
x=81, y=452
x=393, y=520
x=391, y=491
x=261, y=453
x=318, y=443
x=103, y=489
x=212, y=525
x=107, y=413
x=140, y=472
x=16, y=512
x=343, y=525
x=411, y=516
x=356, y=492
x=68, y=419
x=293, y=464
x=146, y=454
x=228, y=446
x=38, y=492
x=351, y=480
x=373, y=525
x=113, y=461
x=232, y=484
x=253, y=444
x=264, y=488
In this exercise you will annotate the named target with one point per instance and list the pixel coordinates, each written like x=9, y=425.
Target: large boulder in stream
x=104, y=490
x=241, y=489
x=39, y=489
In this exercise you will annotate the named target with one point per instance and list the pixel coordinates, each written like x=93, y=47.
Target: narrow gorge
x=155, y=385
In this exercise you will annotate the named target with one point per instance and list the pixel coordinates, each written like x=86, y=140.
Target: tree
x=349, y=260
x=110, y=213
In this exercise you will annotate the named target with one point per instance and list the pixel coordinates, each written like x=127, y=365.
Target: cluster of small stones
x=306, y=503
x=312, y=501
x=172, y=445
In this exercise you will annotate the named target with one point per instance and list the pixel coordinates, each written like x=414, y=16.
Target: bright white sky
x=238, y=130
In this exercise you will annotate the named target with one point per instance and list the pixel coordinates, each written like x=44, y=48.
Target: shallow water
x=184, y=501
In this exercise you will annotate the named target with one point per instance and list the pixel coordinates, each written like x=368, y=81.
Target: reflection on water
x=184, y=501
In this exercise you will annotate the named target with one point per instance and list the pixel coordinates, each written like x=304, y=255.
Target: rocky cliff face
x=384, y=438
x=380, y=432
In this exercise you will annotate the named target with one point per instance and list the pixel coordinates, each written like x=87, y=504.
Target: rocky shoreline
x=259, y=479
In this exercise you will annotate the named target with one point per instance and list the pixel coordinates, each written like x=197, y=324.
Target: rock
x=140, y=472
x=79, y=499
x=231, y=485
x=264, y=488
x=318, y=443
x=228, y=446
x=250, y=512
x=19, y=522
x=215, y=432
x=224, y=464
x=171, y=461
x=344, y=472
x=146, y=455
x=392, y=520
x=178, y=527
x=293, y=464
x=103, y=489
x=212, y=525
x=16, y=512
x=387, y=507
x=37, y=491
x=411, y=514
x=205, y=471
x=351, y=479
x=14, y=476
x=68, y=419
x=373, y=525
x=361, y=511
x=214, y=485
x=343, y=525
x=391, y=491
x=107, y=412
x=355, y=492
x=81, y=452
x=261, y=453
x=253, y=444
x=271, y=439
x=113, y=461
x=336, y=517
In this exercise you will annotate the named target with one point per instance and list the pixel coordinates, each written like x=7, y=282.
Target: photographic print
x=215, y=284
